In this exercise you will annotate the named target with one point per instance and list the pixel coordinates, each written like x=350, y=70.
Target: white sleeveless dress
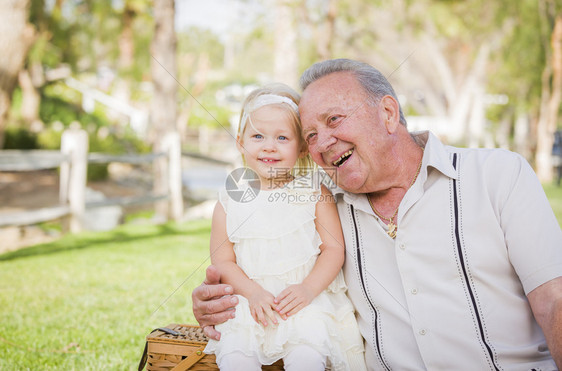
x=276, y=244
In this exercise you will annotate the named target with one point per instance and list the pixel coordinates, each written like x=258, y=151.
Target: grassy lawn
x=554, y=195
x=86, y=302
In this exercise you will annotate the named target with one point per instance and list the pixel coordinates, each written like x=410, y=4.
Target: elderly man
x=453, y=256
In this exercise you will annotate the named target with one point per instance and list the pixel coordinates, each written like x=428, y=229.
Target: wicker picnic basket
x=179, y=348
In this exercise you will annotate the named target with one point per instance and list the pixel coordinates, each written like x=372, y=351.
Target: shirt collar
x=435, y=155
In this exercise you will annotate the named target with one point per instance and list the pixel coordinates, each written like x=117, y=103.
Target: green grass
x=554, y=194
x=87, y=302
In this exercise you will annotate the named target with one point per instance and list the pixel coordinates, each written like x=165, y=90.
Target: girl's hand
x=262, y=307
x=293, y=299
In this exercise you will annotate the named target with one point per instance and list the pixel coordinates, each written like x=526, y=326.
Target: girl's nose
x=269, y=145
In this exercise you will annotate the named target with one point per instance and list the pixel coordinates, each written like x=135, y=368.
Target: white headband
x=264, y=100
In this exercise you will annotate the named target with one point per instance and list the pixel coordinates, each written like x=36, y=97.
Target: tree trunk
x=203, y=67
x=325, y=37
x=460, y=110
x=286, y=58
x=30, y=80
x=126, y=40
x=550, y=103
x=164, y=105
x=17, y=37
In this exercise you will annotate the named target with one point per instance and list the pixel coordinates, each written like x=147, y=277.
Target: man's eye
x=333, y=119
x=311, y=138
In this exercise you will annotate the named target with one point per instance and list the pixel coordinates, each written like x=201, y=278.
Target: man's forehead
x=334, y=85
x=328, y=96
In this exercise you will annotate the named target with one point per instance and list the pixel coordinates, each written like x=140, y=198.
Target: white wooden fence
x=73, y=159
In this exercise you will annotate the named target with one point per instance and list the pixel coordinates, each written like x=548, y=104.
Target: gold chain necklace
x=393, y=227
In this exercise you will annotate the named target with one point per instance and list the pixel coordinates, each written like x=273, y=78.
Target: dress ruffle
x=333, y=335
x=276, y=245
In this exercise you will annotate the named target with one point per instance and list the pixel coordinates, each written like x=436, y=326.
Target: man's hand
x=293, y=299
x=213, y=303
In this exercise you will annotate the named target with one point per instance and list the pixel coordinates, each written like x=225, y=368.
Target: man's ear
x=390, y=113
x=304, y=152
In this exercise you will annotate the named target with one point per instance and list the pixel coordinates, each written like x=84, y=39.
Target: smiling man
x=453, y=256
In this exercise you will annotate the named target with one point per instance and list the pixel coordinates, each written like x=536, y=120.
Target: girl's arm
x=223, y=257
x=328, y=264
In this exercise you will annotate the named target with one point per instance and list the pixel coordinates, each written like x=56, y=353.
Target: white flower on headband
x=264, y=100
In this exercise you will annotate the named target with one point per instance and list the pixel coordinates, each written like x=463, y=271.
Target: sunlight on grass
x=86, y=302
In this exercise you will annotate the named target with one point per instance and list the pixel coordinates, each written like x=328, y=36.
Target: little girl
x=282, y=250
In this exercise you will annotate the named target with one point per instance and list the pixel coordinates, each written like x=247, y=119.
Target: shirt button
x=414, y=291
x=422, y=332
x=403, y=246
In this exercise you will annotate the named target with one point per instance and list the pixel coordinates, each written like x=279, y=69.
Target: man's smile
x=343, y=158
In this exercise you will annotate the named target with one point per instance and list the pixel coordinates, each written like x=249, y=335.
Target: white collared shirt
x=475, y=235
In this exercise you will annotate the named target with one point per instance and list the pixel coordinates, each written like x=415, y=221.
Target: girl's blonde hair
x=304, y=164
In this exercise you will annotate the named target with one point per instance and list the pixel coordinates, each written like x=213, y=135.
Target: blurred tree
x=17, y=37
x=551, y=80
x=319, y=18
x=515, y=72
x=164, y=100
x=134, y=19
x=286, y=57
x=527, y=69
x=457, y=40
x=32, y=77
x=199, y=52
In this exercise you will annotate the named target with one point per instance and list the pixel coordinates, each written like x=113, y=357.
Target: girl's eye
x=258, y=136
x=282, y=137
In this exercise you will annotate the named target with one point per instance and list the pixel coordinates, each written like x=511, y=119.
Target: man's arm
x=213, y=303
x=546, y=303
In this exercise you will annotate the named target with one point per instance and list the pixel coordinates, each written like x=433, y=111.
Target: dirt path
x=20, y=191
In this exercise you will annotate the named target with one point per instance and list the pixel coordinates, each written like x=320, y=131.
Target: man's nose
x=325, y=140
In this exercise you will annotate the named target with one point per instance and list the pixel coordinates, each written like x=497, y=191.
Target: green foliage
x=210, y=114
x=54, y=109
x=194, y=41
x=554, y=194
x=49, y=139
x=518, y=64
x=19, y=138
x=143, y=37
x=60, y=107
x=87, y=301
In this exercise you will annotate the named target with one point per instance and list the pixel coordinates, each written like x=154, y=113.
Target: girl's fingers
x=261, y=317
x=271, y=315
x=281, y=296
x=285, y=305
x=295, y=310
x=254, y=315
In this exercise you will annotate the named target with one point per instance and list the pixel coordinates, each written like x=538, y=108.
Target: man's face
x=344, y=131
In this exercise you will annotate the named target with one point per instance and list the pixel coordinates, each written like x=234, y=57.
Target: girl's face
x=270, y=145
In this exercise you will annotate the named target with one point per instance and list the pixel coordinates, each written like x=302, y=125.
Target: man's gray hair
x=374, y=82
